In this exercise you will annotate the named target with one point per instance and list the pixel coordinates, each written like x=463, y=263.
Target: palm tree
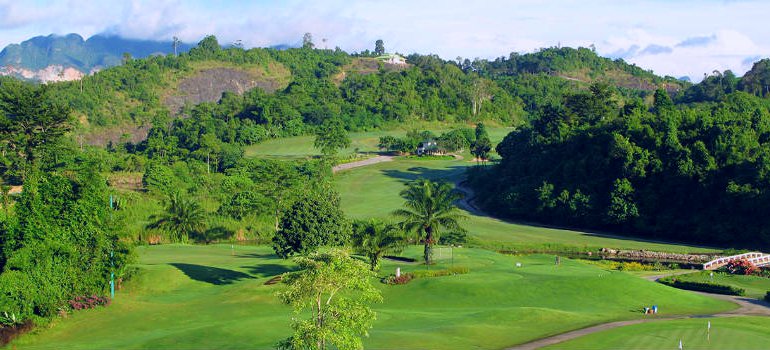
x=374, y=238
x=181, y=217
x=429, y=207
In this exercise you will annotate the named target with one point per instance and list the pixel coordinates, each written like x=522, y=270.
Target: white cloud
x=687, y=37
x=721, y=50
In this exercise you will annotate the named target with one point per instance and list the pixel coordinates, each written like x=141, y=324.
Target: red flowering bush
x=403, y=279
x=742, y=267
x=88, y=302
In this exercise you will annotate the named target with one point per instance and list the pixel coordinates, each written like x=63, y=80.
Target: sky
x=671, y=37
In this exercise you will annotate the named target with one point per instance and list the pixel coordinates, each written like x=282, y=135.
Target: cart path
x=360, y=163
x=747, y=307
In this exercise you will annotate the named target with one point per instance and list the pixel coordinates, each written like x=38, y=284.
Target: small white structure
x=393, y=58
x=398, y=272
x=427, y=147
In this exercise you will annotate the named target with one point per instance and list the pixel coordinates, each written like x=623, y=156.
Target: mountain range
x=69, y=57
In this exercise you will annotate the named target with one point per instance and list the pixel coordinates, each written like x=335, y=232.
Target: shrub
x=741, y=267
x=403, y=279
x=455, y=270
x=703, y=287
x=88, y=302
x=767, y=297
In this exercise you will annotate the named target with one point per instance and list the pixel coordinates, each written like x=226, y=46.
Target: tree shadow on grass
x=267, y=270
x=258, y=256
x=449, y=174
x=213, y=275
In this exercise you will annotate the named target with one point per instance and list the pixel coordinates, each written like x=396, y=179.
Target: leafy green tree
x=207, y=48
x=243, y=204
x=622, y=207
x=336, y=291
x=181, y=218
x=481, y=131
x=379, y=47
x=374, y=238
x=480, y=148
x=331, y=137
x=429, y=207
x=160, y=178
x=58, y=243
x=314, y=220
x=30, y=118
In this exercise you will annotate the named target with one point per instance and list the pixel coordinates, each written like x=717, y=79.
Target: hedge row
x=703, y=287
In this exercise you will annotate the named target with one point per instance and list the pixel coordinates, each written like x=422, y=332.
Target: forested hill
x=696, y=172
x=288, y=92
x=34, y=58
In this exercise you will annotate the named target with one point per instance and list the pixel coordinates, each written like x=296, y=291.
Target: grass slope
x=202, y=297
x=755, y=286
x=372, y=191
x=726, y=333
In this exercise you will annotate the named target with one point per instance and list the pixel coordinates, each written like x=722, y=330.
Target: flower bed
x=409, y=276
x=88, y=302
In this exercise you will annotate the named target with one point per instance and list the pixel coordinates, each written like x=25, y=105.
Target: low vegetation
x=707, y=287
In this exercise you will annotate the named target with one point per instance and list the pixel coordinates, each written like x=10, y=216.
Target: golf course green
x=215, y=296
x=745, y=333
x=203, y=297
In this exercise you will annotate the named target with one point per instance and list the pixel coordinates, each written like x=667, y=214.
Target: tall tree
x=30, y=119
x=379, y=47
x=374, y=238
x=481, y=148
x=331, y=136
x=337, y=291
x=429, y=207
x=307, y=41
x=314, y=220
x=182, y=217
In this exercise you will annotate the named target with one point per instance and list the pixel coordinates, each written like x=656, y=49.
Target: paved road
x=747, y=307
x=360, y=163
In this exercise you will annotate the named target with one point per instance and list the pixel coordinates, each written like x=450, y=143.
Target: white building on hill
x=393, y=58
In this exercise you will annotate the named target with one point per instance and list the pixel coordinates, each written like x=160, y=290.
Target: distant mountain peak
x=57, y=57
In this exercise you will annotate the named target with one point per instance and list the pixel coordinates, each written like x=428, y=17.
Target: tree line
x=693, y=172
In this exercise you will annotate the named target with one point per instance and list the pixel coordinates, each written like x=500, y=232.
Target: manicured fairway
x=373, y=191
x=755, y=286
x=745, y=333
x=302, y=146
x=202, y=297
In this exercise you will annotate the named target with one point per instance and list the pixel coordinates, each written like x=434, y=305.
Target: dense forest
x=694, y=172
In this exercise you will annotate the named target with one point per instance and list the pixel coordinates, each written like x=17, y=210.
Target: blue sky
x=677, y=38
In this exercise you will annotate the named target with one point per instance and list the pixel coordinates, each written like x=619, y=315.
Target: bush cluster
x=89, y=302
x=455, y=270
x=703, y=287
x=742, y=267
x=403, y=279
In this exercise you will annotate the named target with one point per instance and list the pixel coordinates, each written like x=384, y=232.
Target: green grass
x=202, y=297
x=726, y=333
x=372, y=191
x=755, y=286
x=302, y=146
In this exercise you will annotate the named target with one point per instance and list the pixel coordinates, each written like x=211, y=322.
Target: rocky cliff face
x=48, y=74
x=208, y=86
